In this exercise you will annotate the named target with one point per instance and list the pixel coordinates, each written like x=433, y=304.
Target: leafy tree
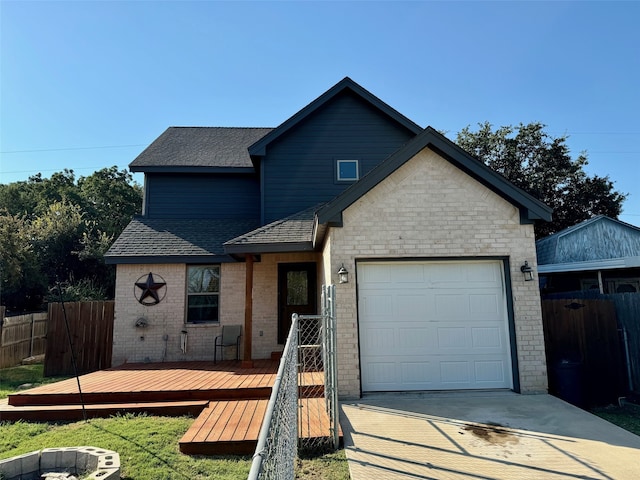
x=21, y=283
x=543, y=167
x=57, y=230
x=110, y=199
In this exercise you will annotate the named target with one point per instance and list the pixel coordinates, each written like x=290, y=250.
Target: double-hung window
x=203, y=293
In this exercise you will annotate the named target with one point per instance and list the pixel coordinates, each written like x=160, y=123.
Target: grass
x=626, y=416
x=147, y=445
x=12, y=378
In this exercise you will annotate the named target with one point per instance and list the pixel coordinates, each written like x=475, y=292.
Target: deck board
x=229, y=402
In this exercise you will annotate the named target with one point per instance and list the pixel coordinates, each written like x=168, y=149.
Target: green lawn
x=12, y=378
x=147, y=445
x=627, y=416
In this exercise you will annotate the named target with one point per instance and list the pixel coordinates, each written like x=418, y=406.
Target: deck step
x=233, y=427
x=225, y=427
x=13, y=413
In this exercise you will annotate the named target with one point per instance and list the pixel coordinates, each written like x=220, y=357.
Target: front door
x=296, y=294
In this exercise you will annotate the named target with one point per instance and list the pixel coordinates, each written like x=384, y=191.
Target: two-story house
x=242, y=226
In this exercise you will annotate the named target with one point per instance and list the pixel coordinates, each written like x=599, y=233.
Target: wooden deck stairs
x=229, y=402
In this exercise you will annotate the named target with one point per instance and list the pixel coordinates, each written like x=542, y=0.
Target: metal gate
x=309, y=404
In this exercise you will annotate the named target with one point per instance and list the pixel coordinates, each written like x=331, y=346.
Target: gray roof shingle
x=294, y=232
x=192, y=147
x=147, y=240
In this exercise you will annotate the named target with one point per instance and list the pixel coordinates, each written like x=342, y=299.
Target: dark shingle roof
x=203, y=147
x=182, y=241
x=293, y=233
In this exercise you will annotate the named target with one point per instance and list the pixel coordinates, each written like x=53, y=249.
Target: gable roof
x=199, y=149
x=147, y=240
x=596, y=244
x=259, y=147
x=531, y=209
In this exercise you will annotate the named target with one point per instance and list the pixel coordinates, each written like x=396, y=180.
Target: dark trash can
x=569, y=383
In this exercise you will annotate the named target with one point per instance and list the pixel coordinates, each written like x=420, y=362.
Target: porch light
x=343, y=275
x=527, y=271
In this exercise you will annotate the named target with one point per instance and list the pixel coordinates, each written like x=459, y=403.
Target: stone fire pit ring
x=92, y=463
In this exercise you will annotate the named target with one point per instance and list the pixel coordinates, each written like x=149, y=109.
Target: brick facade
x=166, y=320
x=425, y=209
x=428, y=208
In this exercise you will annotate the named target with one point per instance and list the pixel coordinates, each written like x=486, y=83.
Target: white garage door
x=433, y=326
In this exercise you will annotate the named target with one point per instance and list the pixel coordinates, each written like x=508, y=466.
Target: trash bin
x=569, y=383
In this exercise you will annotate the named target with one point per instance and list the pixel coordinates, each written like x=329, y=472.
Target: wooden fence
x=21, y=337
x=91, y=328
x=585, y=357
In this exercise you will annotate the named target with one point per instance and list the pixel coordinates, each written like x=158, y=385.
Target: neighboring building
x=598, y=254
x=242, y=226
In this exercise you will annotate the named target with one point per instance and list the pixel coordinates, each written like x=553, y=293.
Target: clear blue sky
x=86, y=85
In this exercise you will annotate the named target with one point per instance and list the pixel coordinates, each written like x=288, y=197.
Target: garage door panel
x=489, y=372
x=379, y=339
x=429, y=332
x=417, y=374
x=486, y=338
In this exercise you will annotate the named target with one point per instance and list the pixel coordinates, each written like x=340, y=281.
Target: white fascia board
x=606, y=264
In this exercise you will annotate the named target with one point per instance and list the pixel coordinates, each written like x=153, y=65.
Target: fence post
x=2, y=310
x=33, y=332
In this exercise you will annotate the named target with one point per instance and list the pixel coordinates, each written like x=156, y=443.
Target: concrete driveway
x=483, y=435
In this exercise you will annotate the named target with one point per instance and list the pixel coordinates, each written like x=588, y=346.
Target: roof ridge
x=221, y=127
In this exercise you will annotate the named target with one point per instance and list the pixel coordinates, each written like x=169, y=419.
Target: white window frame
x=350, y=179
x=188, y=295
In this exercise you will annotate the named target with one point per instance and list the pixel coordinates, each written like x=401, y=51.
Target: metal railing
x=304, y=396
x=276, y=450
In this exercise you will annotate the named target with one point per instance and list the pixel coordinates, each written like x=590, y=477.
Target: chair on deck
x=230, y=337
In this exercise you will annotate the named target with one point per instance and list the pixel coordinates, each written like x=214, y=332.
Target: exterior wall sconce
x=527, y=271
x=343, y=275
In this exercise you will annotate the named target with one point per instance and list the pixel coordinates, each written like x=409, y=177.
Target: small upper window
x=348, y=170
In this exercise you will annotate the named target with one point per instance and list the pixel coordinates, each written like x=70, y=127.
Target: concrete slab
x=483, y=435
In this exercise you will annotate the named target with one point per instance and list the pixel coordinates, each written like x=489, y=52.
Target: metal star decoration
x=149, y=290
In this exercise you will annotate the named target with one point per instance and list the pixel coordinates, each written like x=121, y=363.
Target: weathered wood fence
x=624, y=317
x=21, y=336
x=91, y=329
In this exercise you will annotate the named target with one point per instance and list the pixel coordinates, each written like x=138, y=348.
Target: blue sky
x=86, y=85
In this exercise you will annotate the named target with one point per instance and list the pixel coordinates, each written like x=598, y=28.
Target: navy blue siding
x=219, y=196
x=300, y=167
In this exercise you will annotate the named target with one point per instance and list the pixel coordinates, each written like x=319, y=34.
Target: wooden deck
x=229, y=401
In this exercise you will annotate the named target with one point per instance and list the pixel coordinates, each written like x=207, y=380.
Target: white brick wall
x=131, y=344
x=430, y=209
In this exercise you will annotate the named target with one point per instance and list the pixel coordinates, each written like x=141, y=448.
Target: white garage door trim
x=433, y=325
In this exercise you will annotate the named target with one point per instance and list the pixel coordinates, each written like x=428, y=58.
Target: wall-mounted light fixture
x=527, y=271
x=343, y=275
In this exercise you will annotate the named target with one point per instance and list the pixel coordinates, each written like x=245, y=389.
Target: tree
x=57, y=230
x=22, y=285
x=110, y=199
x=543, y=167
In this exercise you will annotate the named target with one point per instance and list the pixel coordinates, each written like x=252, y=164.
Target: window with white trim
x=203, y=293
x=347, y=171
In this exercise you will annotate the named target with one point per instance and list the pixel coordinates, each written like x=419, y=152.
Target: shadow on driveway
x=483, y=435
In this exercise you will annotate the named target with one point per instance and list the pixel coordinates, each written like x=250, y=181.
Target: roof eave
x=258, y=248
x=531, y=209
x=115, y=259
x=590, y=265
x=190, y=169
